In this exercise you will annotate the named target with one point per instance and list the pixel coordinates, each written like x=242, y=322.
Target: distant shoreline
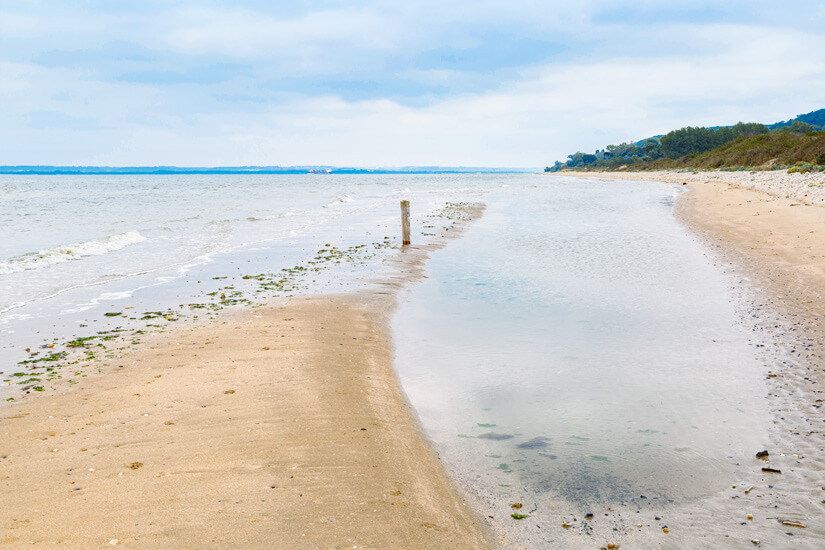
x=50, y=170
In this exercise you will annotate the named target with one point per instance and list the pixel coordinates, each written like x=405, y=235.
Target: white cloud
x=534, y=121
x=650, y=80
x=244, y=33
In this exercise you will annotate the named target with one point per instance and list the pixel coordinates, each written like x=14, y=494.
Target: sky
x=520, y=83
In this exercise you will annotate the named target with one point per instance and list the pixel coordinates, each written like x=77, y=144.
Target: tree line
x=674, y=145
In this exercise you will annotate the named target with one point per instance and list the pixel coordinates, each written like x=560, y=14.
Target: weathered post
x=405, y=222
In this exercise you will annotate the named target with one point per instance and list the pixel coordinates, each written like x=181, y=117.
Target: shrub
x=801, y=168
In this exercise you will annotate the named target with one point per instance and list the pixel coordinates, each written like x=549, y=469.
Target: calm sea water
x=76, y=247
x=577, y=346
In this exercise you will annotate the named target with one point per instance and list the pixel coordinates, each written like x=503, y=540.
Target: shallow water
x=74, y=248
x=576, y=350
x=577, y=346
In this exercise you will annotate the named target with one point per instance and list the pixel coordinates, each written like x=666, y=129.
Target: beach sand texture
x=278, y=427
x=285, y=428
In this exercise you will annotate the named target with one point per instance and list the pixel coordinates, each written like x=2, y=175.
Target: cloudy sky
x=517, y=83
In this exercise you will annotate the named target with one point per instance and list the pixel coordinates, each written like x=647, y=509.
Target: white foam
x=74, y=251
x=102, y=297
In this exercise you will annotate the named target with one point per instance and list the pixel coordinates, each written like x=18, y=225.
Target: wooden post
x=405, y=222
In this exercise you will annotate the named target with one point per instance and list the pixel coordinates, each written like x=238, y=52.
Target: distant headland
x=796, y=145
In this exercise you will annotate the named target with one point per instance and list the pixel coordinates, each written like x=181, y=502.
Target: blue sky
x=520, y=83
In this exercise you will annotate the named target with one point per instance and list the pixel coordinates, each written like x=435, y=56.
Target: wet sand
x=278, y=427
x=775, y=229
x=245, y=446
x=767, y=231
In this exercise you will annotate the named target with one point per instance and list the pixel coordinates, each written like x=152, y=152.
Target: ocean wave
x=74, y=251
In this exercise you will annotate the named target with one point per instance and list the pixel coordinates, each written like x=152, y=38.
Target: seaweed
x=495, y=436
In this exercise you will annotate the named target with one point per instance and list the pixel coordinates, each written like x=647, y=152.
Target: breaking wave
x=75, y=251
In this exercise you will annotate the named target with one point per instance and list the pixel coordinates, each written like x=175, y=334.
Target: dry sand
x=283, y=429
x=279, y=427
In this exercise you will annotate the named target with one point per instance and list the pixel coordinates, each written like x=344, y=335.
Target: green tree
x=799, y=127
x=690, y=141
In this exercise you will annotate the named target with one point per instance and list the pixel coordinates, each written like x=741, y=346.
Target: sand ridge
x=283, y=430
x=276, y=427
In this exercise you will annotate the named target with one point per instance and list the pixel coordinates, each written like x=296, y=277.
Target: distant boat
x=320, y=171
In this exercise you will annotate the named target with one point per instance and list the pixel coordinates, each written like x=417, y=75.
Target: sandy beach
x=325, y=275
x=285, y=426
x=279, y=427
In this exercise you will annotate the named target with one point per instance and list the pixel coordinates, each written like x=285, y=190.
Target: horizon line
x=273, y=169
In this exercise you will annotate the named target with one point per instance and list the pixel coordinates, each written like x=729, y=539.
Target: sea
x=577, y=348
x=75, y=248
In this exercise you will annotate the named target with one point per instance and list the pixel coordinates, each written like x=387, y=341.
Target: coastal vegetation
x=797, y=144
x=779, y=149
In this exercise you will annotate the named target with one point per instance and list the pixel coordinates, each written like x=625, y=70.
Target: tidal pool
x=578, y=345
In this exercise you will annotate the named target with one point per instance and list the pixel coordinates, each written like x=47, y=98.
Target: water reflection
x=577, y=341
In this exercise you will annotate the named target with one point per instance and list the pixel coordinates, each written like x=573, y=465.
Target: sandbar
x=276, y=427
